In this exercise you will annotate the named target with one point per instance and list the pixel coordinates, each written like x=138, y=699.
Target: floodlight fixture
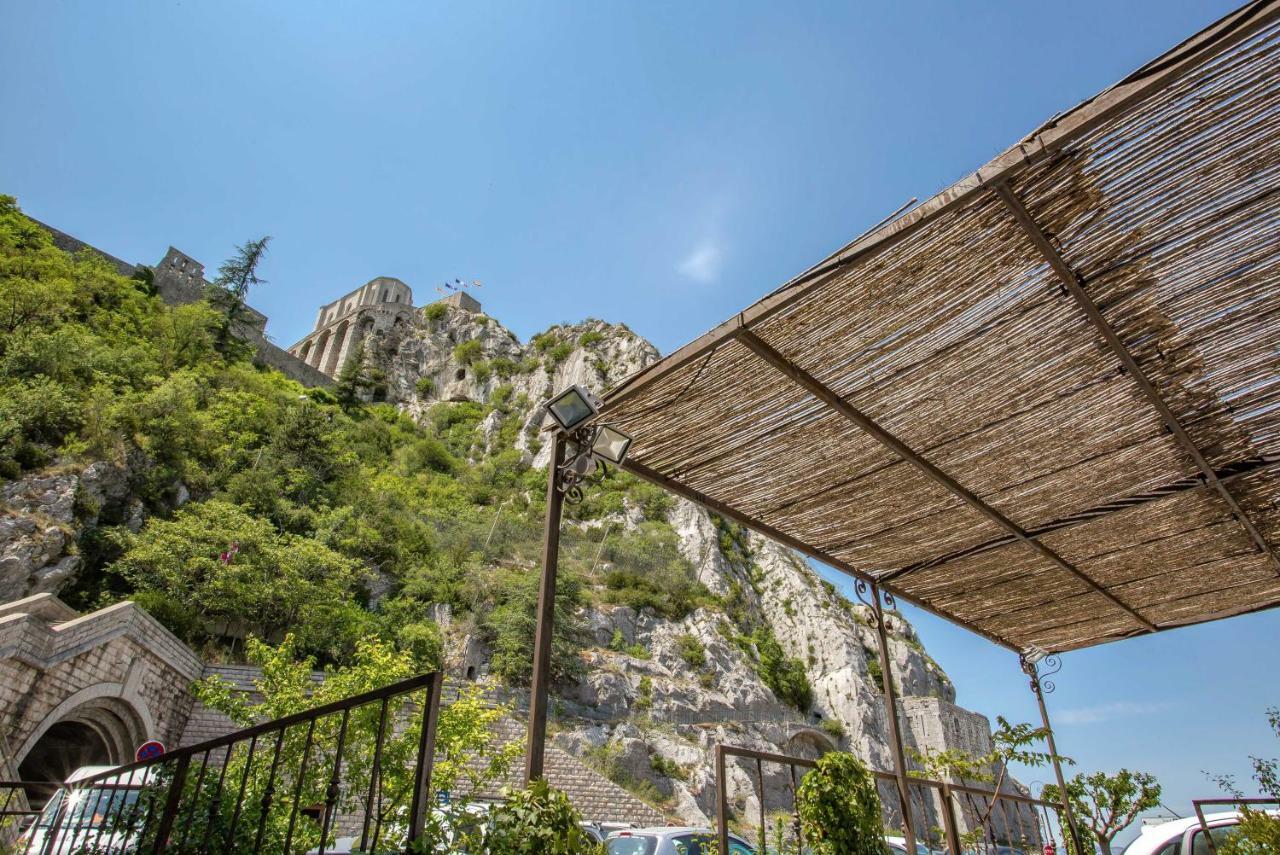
x=1032, y=654
x=610, y=444
x=573, y=408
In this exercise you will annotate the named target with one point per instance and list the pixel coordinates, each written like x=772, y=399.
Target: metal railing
x=1199, y=805
x=350, y=775
x=952, y=819
x=15, y=808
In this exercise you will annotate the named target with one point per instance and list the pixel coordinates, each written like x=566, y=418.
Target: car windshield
x=91, y=807
x=632, y=845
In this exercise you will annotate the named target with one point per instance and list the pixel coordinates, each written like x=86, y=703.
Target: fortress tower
x=379, y=305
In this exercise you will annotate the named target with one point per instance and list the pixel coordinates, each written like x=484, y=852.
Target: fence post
x=171, y=804
x=722, y=802
x=949, y=821
x=426, y=758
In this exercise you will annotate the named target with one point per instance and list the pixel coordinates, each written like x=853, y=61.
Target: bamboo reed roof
x=1044, y=404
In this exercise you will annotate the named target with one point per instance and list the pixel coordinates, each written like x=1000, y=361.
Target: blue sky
x=662, y=164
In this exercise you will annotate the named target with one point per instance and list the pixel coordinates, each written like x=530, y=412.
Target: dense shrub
x=647, y=571
x=538, y=820
x=839, y=807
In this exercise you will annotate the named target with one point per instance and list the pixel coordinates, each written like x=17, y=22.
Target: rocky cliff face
x=646, y=708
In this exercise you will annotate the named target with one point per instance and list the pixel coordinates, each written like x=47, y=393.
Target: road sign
x=149, y=750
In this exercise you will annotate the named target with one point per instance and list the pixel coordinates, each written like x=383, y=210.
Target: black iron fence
x=354, y=775
x=949, y=818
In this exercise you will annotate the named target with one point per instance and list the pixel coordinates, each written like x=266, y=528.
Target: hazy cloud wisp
x=704, y=263
x=1106, y=712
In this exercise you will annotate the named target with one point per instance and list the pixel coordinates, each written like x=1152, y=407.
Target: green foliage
x=559, y=353
x=839, y=807
x=435, y=312
x=1011, y=743
x=236, y=573
x=235, y=277
x=480, y=370
x=1259, y=831
x=589, y=338
x=470, y=759
x=538, y=820
x=833, y=728
x=542, y=342
x=510, y=624
x=468, y=351
x=618, y=644
x=668, y=768
x=503, y=368
x=784, y=674
x=354, y=377
x=644, y=694
x=647, y=571
x=1106, y=804
x=424, y=386
x=692, y=651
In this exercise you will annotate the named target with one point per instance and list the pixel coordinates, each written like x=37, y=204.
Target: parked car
x=1185, y=836
x=898, y=846
x=86, y=817
x=671, y=841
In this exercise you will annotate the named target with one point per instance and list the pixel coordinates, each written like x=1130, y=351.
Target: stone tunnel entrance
x=100, y=733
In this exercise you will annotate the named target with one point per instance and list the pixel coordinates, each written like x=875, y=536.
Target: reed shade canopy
x=1044, y=404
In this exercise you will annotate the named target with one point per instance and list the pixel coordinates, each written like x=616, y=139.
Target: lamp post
x=1030, y=660
x=578, y=449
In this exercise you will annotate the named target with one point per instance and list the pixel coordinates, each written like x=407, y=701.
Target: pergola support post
x=891, y=707
x=1038, y=689
x=537, y=737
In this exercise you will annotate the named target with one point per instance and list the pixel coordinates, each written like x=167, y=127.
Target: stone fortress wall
x=179, y=279
x=381, y=305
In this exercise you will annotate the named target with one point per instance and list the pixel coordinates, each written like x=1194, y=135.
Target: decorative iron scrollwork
x=1039, y=672
x=580, y=466
x=866, y=595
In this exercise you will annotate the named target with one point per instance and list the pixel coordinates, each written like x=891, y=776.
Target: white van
x=1185, y=836
x=86, y=817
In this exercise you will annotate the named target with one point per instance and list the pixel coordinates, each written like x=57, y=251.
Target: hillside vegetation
x=274, y=508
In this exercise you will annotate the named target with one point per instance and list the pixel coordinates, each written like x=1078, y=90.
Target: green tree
x=538, y=820
x=235, y=277
x=1106, y=804
x=470, y=758
x=1259, y=831
x=236, y=574
x=353, y=378
x=839, y=807
x=1010, y=743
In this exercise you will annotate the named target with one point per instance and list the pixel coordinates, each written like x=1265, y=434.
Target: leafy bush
x=647, y=571
x=468, y=351
x=559, y=353
x=691, y=651
x=538, y=820
x=833, y=728
x=542, y=342
x=435, y=312
x=234, y=572
x=589, y=338
x=839, y=807
x=785, y=675
x=424, y=387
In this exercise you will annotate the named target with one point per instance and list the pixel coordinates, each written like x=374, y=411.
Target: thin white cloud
x=704, y=263
x=1107, y=712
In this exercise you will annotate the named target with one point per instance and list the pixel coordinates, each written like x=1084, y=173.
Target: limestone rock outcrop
x=652, y=719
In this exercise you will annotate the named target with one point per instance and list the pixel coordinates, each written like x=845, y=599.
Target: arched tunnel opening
x=62, y=749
